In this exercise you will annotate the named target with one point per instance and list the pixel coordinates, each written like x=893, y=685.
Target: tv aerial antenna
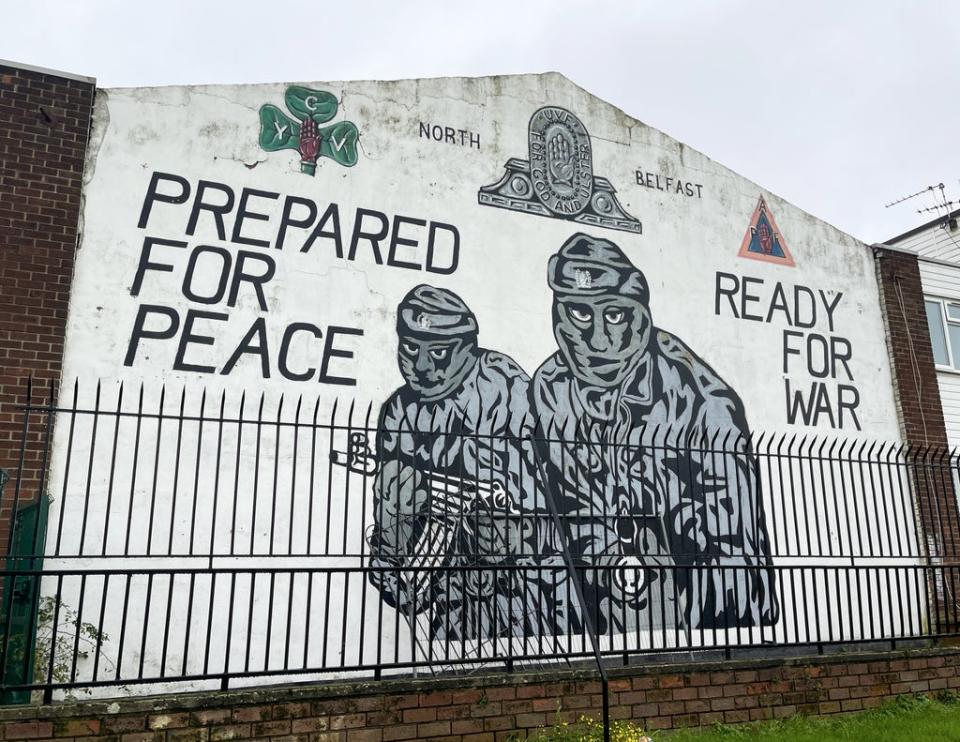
x=928, y=189
x=942, y=206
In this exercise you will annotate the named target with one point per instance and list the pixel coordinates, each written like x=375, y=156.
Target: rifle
x=454, y=502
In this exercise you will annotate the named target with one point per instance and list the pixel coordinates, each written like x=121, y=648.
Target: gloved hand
x=387, y=576
x=309, y=146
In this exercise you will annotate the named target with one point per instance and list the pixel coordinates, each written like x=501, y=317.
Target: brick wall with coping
x=44, y=129
x=917, y=395
x=911, y=352
x=497, y=707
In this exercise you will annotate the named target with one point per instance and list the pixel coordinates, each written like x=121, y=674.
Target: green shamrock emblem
x=303, y=133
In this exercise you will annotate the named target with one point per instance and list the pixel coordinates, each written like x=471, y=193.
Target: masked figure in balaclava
x=448, y=490
x=620, y=393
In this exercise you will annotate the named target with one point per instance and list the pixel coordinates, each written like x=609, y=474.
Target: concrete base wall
x=497, y=707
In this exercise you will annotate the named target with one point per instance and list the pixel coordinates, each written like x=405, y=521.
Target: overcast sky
x=839, y=107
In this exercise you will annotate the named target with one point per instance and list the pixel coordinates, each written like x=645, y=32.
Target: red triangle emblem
x=763, y=240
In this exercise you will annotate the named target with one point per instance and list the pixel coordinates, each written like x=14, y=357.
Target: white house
x=937, y=243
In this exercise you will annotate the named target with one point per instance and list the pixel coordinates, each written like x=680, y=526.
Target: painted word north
x=449, y=135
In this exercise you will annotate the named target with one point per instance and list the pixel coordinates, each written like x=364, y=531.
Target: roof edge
x=47, y=71
x=922, y=227
x=295, y=81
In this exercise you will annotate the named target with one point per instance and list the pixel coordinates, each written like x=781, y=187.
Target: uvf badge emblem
x=561, y=163
x=558, y=179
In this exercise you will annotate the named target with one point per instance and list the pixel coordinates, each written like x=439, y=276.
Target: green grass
x=908, y=719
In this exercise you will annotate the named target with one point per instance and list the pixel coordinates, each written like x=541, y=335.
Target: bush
x=591, y=730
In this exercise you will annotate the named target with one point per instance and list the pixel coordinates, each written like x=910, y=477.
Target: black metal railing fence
x=196, y=541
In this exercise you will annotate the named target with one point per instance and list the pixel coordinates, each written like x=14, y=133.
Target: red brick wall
x=44, y=126
x=921, y=420
x=908, y=341
x=494, y=708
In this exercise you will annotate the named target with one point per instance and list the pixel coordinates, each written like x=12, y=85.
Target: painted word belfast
x=457, y=473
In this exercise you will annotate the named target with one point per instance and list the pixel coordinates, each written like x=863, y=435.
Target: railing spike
x=655, y=435
x=508, y=423
x=823, y=442
x=448, y=430
x=833, y=446
x=556, y=433
x=884, y=450
x=846, y=447
x=679, y=433
x=667, y=432
x=856, y=447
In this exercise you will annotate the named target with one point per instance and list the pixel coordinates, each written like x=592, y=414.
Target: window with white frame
x=943, y=318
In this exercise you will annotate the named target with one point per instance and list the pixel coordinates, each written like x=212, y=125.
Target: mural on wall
x=526, y=399
x=558, y=180
x=303, y=133
x=763, y=240
x=456, y=495
x=628, y=500
x=627, y=387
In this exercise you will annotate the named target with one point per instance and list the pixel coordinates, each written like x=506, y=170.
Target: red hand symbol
x=309, y=146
